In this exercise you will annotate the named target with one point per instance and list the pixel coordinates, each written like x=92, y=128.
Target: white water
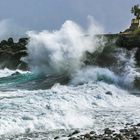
x=67, y=107
x=62, y=50
x=82, y=103
x=6, y=72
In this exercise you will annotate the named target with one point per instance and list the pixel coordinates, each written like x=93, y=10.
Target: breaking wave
x=61, y=51
x=65, y=89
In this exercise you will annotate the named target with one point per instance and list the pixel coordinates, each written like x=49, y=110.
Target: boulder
x=10, y=41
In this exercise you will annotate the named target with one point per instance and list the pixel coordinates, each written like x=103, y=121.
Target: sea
x=64, y=90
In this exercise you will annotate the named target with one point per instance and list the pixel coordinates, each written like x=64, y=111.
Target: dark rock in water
x=75, y=132
x=92, y=132
x=136, y=138
x=138, y=125
x=16, y=73
x=57, y=137
x=23, y=40
x=11, y=54
x=130, y=133
x=123, y=130
x=107, y=131
x=87, y=136
x=108, y=93
x=120, y=136
x=3, y=42
x=10, y=41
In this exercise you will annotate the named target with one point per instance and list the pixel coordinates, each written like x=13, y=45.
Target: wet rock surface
x=129, y=132
x=11, y=53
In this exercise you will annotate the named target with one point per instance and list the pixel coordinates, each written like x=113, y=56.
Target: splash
x=62, y=51
x=94, y=74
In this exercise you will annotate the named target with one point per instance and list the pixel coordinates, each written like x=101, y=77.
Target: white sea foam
x=73, y=105
x=66, y=107
x=7, y=72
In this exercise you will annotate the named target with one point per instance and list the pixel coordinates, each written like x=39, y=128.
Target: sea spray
x=61, y=51
x=84, y=103
x=94, y=74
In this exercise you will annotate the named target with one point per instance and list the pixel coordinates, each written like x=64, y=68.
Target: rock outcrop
x=11, y=53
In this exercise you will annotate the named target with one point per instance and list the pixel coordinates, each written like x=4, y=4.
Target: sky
x=113, y=15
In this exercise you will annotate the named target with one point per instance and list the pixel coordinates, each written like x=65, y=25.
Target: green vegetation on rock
x=136, y=11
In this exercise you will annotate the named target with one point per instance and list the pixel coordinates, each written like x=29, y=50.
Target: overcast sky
x=114, y=15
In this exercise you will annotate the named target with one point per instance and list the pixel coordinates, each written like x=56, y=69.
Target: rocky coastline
x=10, y=57
x=11, y=52
x=129, y=132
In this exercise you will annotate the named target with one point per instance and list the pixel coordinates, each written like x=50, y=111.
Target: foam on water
x=94, y=97
x=6, y=72
x=67, y=107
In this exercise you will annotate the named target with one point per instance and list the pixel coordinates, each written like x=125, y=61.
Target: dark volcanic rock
x=11, y=54
x=57, y=137
x=108, y=93
x=10, y=41
x=107, y=131
x=136, y=138
x=87, y=136
x=131, y=133
x=128, y=41
x=74, y=133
